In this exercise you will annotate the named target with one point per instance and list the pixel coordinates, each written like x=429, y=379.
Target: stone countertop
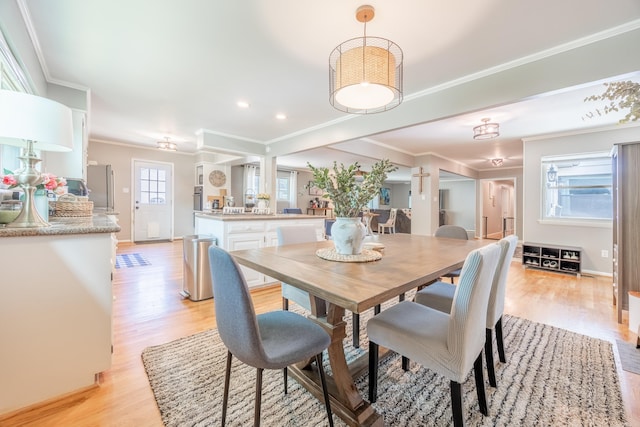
x=253, y=217
x=97, y=223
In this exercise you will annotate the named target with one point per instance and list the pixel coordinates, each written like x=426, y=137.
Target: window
x=577, y=187
x=153, y=186
x=11, y=78
x=283, y=189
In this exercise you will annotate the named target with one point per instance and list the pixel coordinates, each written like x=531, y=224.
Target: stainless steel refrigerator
x=100, y=185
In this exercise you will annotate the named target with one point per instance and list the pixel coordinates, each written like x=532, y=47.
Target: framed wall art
x=314, y=191
x=385, y=196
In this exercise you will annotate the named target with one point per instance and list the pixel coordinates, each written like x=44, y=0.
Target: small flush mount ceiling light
x=281, y=116
x=166, y=145
x=243, y=104
x=497, y=162
x=486, y=130
x=365, y=73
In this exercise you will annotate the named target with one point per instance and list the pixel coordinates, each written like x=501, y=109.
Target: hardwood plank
x=149, y=311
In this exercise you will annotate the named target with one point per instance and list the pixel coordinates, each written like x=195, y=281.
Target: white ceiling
x=172, y=68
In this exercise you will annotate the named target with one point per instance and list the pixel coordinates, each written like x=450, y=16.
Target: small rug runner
x=131, y=260
x=552, y=377
x=629, y=356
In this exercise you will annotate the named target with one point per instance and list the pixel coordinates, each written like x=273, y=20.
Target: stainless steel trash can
x=196, y=277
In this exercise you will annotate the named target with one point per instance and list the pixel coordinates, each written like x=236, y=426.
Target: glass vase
x=41, y=201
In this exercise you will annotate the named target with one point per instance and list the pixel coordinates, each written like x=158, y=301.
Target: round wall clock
x=217, y=178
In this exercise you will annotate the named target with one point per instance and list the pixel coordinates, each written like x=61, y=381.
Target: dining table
x=408, y=261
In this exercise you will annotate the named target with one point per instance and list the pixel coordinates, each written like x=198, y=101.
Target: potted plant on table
x=263, y=200
x=350, y=191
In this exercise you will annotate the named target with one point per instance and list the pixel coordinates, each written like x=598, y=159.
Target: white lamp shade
x=29, y=117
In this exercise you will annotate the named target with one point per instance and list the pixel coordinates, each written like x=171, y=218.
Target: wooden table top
x=408, y=261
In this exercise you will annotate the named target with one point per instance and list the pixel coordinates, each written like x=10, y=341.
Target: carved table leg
x=346, y=401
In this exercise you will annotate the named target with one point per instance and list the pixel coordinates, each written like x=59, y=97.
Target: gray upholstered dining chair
x=452, y=232
x=304, y=234
x=448, y=343
x=272, y=340
x=439, y=295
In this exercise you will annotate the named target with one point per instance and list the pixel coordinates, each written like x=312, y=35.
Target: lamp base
x=29, y=216
x=28, y=178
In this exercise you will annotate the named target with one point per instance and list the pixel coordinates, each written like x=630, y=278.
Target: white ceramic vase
x=348, y=235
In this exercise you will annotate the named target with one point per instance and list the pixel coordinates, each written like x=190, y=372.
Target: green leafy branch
x=621, y=96
x=348, y=195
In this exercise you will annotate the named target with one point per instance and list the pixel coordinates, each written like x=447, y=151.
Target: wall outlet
x=604, y=253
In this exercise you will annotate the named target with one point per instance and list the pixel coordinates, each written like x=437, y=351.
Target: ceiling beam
x=598, y=60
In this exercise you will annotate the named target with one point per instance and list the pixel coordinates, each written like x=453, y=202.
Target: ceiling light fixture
x=360, y=174
x=166, y=145
x=486, y=130
x=497, y=162
x=243, y=104
x=281, y=116
x=365, y=73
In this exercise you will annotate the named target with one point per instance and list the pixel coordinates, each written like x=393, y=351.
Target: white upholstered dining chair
x=290, y=236
x=305, y=234
x=390, y=224
x=448, y=343
x=439, y=295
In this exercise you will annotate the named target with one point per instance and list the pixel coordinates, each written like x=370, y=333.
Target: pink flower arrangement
x=9, y=180
x=49, y=182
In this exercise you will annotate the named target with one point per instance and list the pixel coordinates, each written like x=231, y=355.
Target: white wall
x=592, y=239
x=460, y=203
x=399, y=195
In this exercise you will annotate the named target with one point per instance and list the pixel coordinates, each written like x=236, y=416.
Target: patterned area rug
x=552, y=377
x=131, y=260
x=629, y=356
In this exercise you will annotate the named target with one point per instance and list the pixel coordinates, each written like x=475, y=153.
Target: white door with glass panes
x=153, y=201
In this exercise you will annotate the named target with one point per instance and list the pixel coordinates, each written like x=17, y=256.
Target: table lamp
x=34, y=123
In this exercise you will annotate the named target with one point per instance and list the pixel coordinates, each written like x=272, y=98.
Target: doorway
x=498, y=208
x=152, y=201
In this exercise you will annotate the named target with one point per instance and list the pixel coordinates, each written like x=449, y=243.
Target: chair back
x=496, y=298
x=296, y=234
x=452, y=232
x=292, y=210
x=235, y=315
x=466, y=335
x=392, y=217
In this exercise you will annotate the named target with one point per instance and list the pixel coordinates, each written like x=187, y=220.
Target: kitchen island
x=250, y=231
x=55, y=310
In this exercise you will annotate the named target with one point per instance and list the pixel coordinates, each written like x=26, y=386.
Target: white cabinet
x=251, y=233
x=55, y=316
x=240, y=241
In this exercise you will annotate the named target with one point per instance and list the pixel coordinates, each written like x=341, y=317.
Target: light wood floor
x=148, y=311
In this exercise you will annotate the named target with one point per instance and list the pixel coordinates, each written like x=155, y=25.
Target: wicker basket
x=68, y=205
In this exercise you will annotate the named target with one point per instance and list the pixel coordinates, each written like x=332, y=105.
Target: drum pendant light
x=365, y=73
